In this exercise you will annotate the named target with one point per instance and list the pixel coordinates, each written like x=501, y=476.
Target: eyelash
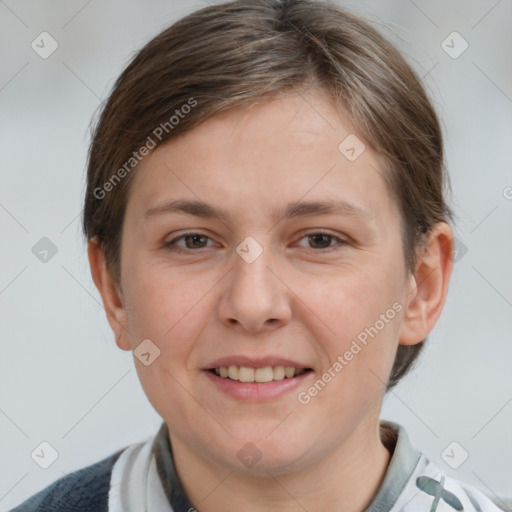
x=171, y=245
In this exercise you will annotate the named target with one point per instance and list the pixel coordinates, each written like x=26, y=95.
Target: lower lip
x=257, y=391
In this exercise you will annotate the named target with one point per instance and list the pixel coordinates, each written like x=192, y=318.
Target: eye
x=323, y=240
x=197, y=241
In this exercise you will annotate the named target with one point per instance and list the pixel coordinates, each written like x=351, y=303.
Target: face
x=316, y=289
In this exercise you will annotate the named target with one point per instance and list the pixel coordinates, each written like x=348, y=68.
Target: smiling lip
x=256, y=391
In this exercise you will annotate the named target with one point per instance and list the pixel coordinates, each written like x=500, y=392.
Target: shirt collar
x=165, y=466
x=404, y=459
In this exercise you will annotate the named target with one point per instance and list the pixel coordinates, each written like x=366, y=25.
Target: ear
x=112, y=296
x=428, y=286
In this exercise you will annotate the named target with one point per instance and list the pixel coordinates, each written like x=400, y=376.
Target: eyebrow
x=291, y=210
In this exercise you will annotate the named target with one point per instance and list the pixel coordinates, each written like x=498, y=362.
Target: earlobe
x=110, y=294
x=428, y=286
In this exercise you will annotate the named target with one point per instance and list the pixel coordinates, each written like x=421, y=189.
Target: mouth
x=259, y=375
x=257, y=379
x=257, y=385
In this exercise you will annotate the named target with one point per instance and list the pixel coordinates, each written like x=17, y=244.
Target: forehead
x=259, y=160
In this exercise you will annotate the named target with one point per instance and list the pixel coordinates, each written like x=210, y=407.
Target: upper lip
x=253, y=362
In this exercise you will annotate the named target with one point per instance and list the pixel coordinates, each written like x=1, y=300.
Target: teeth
x=246, y=374
x=265, y=374
x=233, y=372
x=279, y=372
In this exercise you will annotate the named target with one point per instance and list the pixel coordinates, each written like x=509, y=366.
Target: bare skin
x=303, y=298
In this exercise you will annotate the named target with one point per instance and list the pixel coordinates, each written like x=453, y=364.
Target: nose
x=255, y=298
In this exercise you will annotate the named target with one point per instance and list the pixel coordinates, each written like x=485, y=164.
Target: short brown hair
x=234, y=54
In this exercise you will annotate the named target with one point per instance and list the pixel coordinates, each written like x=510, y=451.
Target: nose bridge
x=251, y=273
x=255, y=295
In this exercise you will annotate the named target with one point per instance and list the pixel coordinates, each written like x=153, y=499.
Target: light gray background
x=62, y=378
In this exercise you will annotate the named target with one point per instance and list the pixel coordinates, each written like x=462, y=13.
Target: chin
x=259, y=456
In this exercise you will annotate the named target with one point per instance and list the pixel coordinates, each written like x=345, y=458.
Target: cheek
x=361, y=318
x=353, y=300
x=171, y=309
x=158, y=298
x=162, y=310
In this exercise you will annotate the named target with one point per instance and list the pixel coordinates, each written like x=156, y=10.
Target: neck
x=345, y=479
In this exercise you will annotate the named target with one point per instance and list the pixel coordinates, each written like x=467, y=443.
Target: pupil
x=325, y=237
x=194, y=239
